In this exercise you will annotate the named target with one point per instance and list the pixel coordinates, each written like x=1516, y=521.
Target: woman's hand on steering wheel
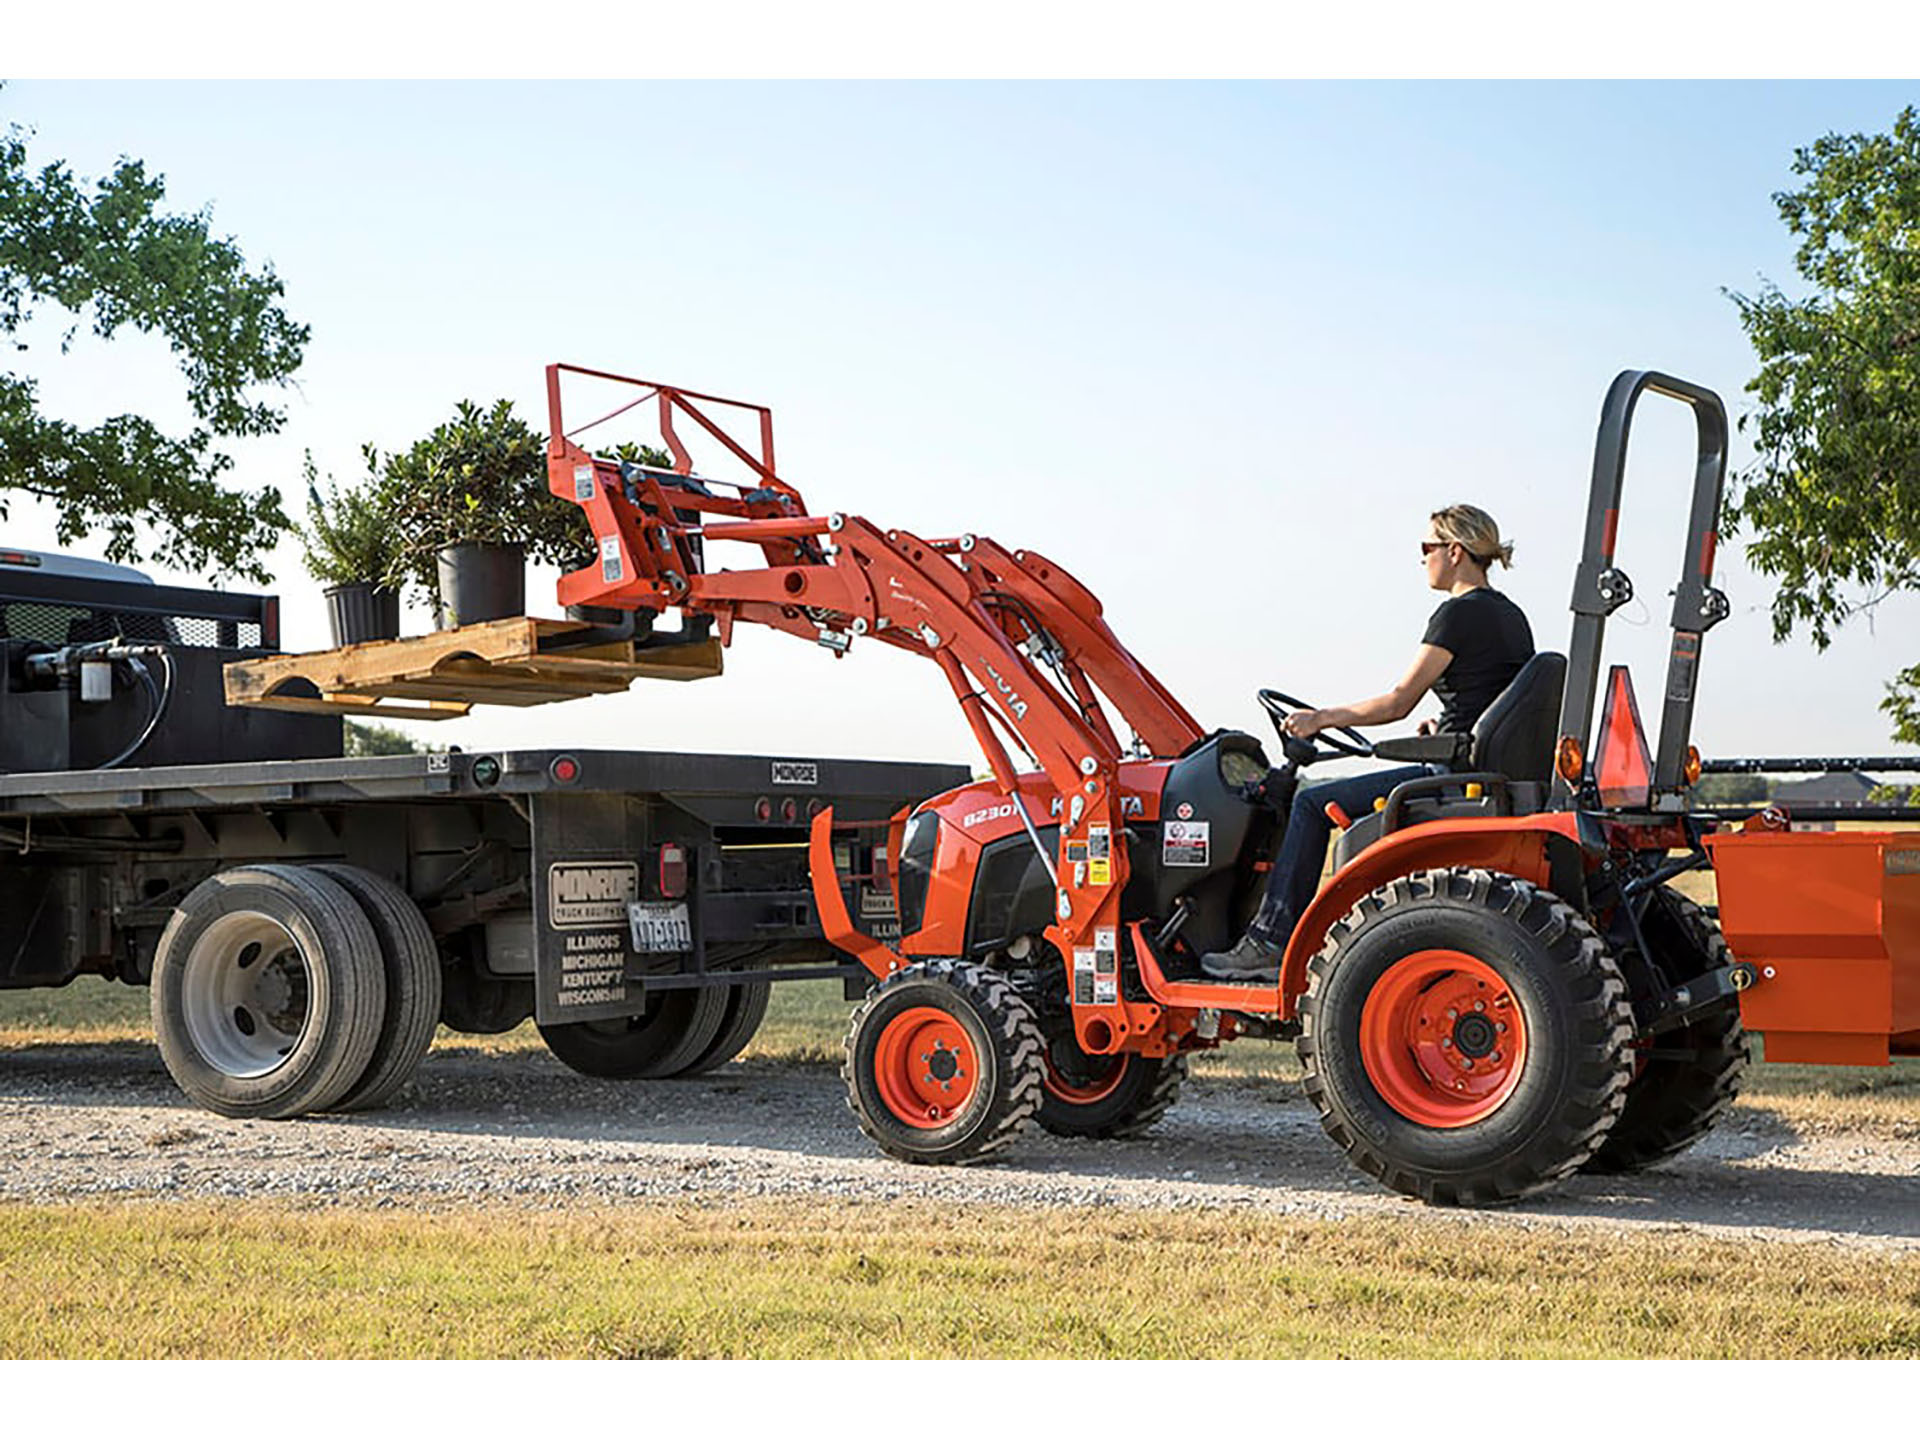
x=1286, y=711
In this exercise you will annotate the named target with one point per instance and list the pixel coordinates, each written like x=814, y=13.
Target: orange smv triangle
x=1624, y=774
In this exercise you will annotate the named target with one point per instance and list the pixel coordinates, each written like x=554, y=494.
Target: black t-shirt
x=1490, y=640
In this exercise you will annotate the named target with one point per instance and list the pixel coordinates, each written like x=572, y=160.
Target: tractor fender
x=1522, y=846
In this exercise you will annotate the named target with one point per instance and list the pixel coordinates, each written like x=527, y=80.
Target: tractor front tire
x=1466, y=1037
x=1106, y=1097
x=1686, y=1077
x=944, y=1063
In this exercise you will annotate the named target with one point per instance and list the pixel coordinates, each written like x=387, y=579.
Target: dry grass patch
x=154, y=1279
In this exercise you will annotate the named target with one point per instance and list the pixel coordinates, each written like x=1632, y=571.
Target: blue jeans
x=1303, y=853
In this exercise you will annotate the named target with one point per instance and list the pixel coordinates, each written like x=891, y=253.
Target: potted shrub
x=472, y=507
x=351, y=549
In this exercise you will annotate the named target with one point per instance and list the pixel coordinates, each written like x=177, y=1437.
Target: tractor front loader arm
x=989, y=618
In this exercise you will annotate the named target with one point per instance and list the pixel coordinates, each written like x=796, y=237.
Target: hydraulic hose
x=157, y=700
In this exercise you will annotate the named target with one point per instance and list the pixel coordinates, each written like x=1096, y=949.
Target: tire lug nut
x=1446, y=1042
x=1452, y=1014
x=1501, y=1026
x=1479, y=1004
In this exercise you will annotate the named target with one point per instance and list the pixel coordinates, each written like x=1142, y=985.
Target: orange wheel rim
x=1442, y=1038
x=925, y=1067
x=1088, y=1079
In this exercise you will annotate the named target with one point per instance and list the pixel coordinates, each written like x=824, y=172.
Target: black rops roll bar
x=1599, y=588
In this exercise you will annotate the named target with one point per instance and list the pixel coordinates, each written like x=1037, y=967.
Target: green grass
x=166, y=1279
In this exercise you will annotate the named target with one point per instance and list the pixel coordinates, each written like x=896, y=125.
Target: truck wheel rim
x=246, y=995
x=925, y=1067
x=1442, y=1038
x=1080, y=1078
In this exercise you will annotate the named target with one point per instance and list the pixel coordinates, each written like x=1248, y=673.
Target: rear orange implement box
x=1832, y=921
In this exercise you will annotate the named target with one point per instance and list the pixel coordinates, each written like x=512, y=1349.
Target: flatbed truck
x=306, y=919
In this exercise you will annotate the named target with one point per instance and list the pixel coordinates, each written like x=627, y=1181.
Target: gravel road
x=89, y=1121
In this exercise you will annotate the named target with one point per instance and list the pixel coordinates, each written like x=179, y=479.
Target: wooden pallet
x=444, y=675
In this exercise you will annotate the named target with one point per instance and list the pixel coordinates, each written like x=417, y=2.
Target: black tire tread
x=746, y=1008
x=411, y=958
x=649, y=1053
x=1140, y=1114
x=1671, y=1105
x=1015, y=1034
x=349, y=951
x=1602, y=1011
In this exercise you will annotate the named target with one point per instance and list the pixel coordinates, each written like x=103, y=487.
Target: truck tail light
x=673, y=871
x=789, y=810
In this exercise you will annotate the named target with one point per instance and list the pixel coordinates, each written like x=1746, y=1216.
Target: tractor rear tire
x=411, y=960
x=1466, y=1037
x=944, y=1063
x=268, y=992
x=671, y=1034
x=1689, y=1076
x=1106, y=1097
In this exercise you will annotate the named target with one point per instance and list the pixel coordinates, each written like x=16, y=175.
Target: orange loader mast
x=989, y=617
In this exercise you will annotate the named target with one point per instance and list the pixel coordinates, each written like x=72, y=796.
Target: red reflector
x=789, y=810
x=566, y=769
x=1624, y=772
x=763, y=808
x=673, y=871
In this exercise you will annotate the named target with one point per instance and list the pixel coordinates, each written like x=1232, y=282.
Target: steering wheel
x=1278, y=704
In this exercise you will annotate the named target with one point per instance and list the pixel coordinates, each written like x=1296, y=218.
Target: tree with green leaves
x=1832, y=498
x=110, y=258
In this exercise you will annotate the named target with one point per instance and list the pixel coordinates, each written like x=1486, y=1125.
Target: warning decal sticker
x=1184, y=842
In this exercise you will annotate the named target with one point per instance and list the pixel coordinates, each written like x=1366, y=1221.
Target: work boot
x=1252, y=959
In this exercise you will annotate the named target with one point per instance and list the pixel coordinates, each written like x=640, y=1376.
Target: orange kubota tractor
x=1495, y=987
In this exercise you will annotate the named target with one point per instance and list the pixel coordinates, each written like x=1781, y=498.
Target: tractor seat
x=1514, y=738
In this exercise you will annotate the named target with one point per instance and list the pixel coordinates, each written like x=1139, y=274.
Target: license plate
x=659, y=926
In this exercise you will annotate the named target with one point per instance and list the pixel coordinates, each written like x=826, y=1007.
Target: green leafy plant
x=111, y=258
x=349, y=534
x=478, y=479
x=481, y=478
x=1832, y=499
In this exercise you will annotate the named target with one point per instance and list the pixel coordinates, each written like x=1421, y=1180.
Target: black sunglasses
x=1427, y=547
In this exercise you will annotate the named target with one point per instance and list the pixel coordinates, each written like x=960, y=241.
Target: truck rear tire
x=671, y=1034
x=268, y=992
x=746, y=1008
x=1685, y=1078
x=944, y=1063
x=1466, y=1037
x=1106, y=1097
x=411, y=960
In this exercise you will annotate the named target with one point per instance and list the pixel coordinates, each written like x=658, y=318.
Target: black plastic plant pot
x=482, y=582
x=362, y=612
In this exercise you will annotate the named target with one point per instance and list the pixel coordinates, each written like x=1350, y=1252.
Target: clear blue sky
x=1218, y=348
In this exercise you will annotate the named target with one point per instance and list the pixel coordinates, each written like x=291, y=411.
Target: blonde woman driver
x=1475, y=644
